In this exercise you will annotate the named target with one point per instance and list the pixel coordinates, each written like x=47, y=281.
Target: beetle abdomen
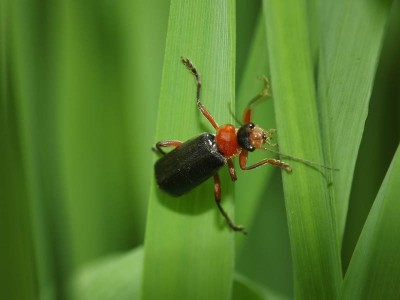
x=185, y=167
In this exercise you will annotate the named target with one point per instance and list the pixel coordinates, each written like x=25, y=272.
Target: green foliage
x=186, y=237
x=315, y=254
x=86, y=88
x=374, y=267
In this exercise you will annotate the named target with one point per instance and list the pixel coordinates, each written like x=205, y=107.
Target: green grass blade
x=378, y=143
x=17, y=250
x=118, y=276
x=93, y=281
x=264, y=255
x=188, y=247
x=374, y=269
x=352, y=35
x=30, y=107
x=247, y=13
x=316, y=260
x=106, y=93
x=243, y=288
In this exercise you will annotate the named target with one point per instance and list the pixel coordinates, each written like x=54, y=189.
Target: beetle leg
x=201, y=107
x=265, y=92
x=162, y=144
x=271, y=161
x=217, y=194
x=231, y=169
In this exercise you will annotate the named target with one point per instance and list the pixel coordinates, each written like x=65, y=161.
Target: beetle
x=192, y=162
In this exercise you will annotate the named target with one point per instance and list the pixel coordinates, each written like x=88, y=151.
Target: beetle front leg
x=217, y=194
x=265, y=92
x=270, y=161
x=200, y=105
x=162, y=144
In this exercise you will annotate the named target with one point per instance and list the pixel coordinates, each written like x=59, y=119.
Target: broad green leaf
x=374, y=269
x=351, y=39
x=70, y=89
x=315, y=252
x=117, y=276
x=188, y=246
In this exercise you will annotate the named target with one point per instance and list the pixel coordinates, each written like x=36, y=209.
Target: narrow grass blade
x=374, y=269
x=316, y=259
x=265, y=254
x=143, y=43
x=104, y=148
x=30, y=107
x=188, y=246
x=351, y=39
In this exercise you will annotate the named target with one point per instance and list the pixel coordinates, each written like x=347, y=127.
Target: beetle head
x=251, y=137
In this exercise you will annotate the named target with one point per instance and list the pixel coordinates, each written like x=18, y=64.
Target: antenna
x=304, y=161
x=233, y=115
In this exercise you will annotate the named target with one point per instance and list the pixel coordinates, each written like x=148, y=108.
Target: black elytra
x=189, y=165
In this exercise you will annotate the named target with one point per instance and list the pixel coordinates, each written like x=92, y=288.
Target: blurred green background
x=80, y=83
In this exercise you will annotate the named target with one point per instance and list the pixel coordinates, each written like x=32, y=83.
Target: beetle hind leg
x=163, y=144
x=217, y=193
